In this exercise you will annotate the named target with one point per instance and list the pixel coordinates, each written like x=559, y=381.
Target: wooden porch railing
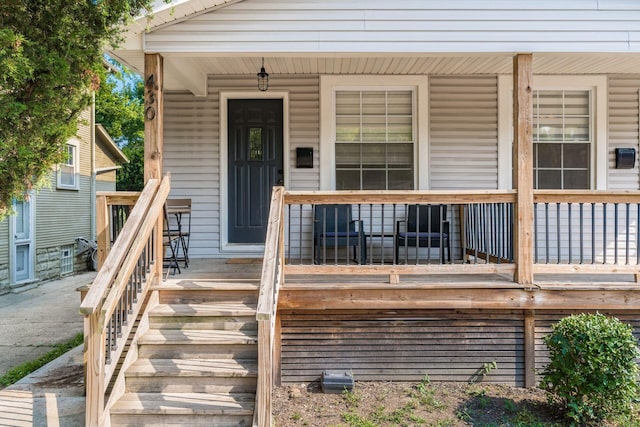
x=381, y=212
x=112, y=210
x=272, y=279
x=118, y=292
x=572, y=232
x=586, y=231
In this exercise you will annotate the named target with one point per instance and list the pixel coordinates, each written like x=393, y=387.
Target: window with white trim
x=374, y=139
x=562, y=139
x=68, y=168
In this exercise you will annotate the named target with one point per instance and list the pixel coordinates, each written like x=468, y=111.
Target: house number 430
x=150, y=87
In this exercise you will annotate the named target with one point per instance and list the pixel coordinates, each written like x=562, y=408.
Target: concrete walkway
x=31, y=323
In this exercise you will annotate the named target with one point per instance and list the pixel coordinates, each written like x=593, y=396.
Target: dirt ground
x=413, y=404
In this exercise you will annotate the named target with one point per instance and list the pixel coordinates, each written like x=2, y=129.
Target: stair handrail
x=271, y=280
x=136, y=248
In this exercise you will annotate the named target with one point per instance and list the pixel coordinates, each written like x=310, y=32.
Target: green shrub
x=592, y=371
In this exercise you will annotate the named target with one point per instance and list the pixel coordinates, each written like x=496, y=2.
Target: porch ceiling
x=186, y=72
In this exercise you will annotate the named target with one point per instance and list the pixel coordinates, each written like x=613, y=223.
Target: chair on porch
x=334, y=227
x=179, y=212
x=425, y=226
x=170, y=245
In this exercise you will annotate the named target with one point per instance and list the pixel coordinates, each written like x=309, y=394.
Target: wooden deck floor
x=454, y=291
x=250, y=268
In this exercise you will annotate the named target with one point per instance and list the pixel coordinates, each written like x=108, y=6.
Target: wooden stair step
x=193, y=368
x=239, y=309
x=238, y=404
x=195, y=336
x=209, y=285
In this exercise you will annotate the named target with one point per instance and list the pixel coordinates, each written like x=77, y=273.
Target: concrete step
x=192, y=409
x=192, y=375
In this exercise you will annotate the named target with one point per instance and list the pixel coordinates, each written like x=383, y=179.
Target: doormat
x=244, y=261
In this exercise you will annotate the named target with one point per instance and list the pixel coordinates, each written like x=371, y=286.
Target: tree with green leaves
x=50, y=64
x=120, y=109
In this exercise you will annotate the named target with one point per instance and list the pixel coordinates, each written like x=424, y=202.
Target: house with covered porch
x=430, y=185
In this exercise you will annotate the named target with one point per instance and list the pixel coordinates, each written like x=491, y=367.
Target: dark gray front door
x=255, y=165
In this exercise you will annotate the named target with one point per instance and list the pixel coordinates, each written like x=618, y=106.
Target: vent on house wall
x=66, y=259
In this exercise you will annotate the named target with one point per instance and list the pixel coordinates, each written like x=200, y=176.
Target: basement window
x=66, y=259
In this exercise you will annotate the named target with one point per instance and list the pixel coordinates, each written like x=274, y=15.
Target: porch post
x=523, y=167
x=523, y=183
x=153, y=135
x=153, y=116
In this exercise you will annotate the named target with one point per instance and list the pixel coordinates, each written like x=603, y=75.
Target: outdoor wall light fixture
x=263, y=79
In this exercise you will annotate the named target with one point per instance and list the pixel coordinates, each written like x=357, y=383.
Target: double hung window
x=374, y=139
x=562, y=139
x=68, y=169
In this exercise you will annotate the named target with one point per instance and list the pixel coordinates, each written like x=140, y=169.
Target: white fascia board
x=176, y=10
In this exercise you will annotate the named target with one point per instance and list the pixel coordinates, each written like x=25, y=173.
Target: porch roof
x=202, y=37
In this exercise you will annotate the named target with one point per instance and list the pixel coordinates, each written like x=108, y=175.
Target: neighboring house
x=38, y=242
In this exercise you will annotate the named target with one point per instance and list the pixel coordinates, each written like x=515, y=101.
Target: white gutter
x=107, y=169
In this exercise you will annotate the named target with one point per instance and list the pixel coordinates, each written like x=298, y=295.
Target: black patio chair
x=425, y=226
x=334, y=227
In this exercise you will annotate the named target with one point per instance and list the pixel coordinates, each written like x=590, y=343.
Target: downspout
x=92, y=197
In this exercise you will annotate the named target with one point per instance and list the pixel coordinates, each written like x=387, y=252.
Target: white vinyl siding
x=405, y=25
x=624, y=92
x=463, y=133
x=192, y=148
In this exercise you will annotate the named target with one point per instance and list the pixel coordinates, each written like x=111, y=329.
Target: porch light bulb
x=263, y=79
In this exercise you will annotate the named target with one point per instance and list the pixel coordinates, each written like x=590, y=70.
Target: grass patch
x=21, y=371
